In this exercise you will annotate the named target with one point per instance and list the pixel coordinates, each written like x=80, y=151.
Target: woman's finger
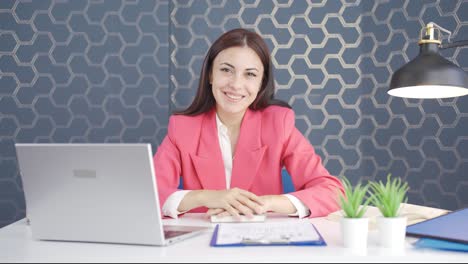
x=254, y=207
x=242, y=208
x=214, y=211
x=252, y=197
x=231, y=210
x=223, y=214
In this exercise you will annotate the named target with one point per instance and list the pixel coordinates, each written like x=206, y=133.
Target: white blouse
x=173, y=201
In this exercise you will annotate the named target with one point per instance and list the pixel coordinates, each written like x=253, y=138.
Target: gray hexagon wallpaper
x=112, y=71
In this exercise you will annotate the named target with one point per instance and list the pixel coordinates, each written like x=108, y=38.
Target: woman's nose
x=236, y=82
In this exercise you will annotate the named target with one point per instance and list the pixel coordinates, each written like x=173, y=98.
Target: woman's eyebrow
x=232, y=66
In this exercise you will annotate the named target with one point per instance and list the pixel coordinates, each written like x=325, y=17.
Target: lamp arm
x=454, y=44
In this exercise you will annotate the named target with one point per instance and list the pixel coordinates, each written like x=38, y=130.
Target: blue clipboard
x=318, y=242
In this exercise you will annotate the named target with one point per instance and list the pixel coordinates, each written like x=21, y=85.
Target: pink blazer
x=268, y=140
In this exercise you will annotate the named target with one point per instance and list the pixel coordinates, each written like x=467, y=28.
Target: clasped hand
x=234, y=202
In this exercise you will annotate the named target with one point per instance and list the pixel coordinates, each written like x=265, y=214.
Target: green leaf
x=354, y=202
x=388, y=197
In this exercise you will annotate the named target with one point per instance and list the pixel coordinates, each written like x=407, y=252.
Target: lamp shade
x=429, y=75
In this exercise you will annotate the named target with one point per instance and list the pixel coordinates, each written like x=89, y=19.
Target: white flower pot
x=354, y=232
x=392, y=231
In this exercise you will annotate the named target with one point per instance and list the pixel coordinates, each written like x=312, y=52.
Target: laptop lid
x=91, y=192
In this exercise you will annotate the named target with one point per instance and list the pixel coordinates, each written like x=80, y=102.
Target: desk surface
x=16, y=245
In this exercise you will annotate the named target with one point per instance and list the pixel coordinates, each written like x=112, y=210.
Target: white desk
x=16, y=245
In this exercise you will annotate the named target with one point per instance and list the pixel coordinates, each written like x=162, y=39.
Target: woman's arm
x=273, y=203
x=233, y=201
x=314, y=185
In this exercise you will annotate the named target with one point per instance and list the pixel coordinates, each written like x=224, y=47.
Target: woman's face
x=236, y=78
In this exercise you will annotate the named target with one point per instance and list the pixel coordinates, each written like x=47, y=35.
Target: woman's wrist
x=269, y=203
x=278, y=204
x=193, y=199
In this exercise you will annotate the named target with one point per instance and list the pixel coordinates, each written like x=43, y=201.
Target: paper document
x=266, y=233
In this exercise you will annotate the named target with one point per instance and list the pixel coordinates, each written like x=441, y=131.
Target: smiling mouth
x=233, y=98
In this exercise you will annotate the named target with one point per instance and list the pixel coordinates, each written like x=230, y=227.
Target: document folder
x=450, y=227
x=303, y=234
x=441, y=244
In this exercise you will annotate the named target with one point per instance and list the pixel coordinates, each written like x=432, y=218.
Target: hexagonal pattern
x=79, y=71
x=110, y=71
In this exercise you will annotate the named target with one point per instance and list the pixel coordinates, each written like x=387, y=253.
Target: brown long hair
x=204, y=100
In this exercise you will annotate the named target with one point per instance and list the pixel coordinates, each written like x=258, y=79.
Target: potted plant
x=354, y=226
x=388, y=199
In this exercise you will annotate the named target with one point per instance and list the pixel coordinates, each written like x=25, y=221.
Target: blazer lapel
x=208, y=161
x=249, y=151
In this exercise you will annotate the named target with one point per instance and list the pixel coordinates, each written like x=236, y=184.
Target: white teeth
x=233, y=97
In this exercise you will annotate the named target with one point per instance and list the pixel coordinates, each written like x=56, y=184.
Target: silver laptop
x=94, y=193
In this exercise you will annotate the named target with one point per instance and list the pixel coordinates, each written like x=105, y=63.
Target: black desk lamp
x=429, y=75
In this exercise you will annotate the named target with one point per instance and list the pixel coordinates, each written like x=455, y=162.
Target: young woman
x=230, y=145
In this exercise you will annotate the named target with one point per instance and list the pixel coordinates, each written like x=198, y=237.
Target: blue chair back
x=288, y=185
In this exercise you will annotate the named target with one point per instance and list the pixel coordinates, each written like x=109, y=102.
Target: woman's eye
x=251, y=74
x=225, y=70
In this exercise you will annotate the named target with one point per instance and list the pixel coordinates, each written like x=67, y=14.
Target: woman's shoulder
x=277, y=118
x=276, y=121
x=183, y=129
x=276, y=112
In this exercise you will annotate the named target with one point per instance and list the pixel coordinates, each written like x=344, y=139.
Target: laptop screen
x=91, y=192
